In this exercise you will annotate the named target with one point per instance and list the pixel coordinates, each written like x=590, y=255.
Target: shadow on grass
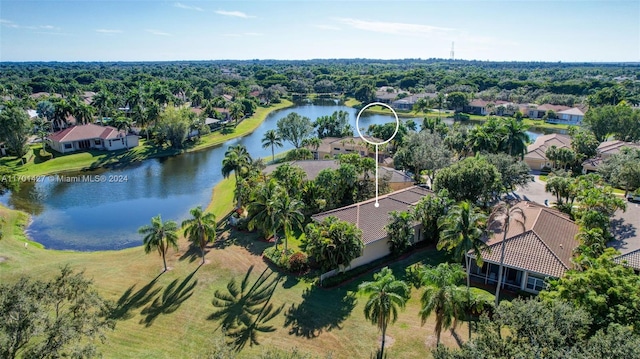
x=171, y=299
x=319, y=310
x=244, y=310
x=247, y=240
x=129, y=300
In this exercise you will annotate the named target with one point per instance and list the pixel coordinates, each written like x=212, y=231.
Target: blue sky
x=147, y=30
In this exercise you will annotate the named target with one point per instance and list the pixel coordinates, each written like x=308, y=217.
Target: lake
x=90, y=216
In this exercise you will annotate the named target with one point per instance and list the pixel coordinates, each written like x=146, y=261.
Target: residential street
x=626, y=225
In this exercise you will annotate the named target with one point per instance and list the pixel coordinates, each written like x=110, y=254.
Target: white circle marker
x=377, y=204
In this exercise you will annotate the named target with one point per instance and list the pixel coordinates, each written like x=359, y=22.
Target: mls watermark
x=67, y=178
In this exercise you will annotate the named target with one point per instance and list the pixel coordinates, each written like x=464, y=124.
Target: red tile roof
x=545, y=245
x=631, y=259
x=372, y=220
x=85, y=132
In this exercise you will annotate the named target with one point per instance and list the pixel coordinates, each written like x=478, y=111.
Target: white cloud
x=9, y=23
x=109, y=31
x=47, y=27
x=157, y=32
x=253, y=33
x=326, y=27
x=187, y=7
x=243, y=34
x=234, y=14
x=395, y=27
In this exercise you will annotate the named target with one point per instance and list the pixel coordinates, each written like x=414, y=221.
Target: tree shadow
x=247, y=240
x=193, y=253
x=171, y=299
x=319, y=310
x=129, y=300
x=244, y=310
x=622, y=230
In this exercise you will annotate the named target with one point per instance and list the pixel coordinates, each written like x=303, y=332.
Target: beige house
x=604, y=151
x=372, y=220
x=542, y=249
x=397, y=179
x=333, y=146
x=536, y=156
x=90, y=136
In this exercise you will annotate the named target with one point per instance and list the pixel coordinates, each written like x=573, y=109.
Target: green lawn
x=166, y=317
x=96, y=159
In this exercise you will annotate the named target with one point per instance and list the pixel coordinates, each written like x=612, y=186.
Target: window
x=97, y=142
x=535, y=283
x=336, y=148
x=68, y=146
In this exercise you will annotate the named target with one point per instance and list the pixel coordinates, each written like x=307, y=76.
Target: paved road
x=626, y=225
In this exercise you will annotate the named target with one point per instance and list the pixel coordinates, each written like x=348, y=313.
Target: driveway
x=625, y=225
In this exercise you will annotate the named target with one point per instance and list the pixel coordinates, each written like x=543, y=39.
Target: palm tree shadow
x=193, y=253
x=171, y=299
x=313, y=315
x=129, y=301
x=244, y=310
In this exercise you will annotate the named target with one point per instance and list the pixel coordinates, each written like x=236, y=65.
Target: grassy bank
x=96, y=159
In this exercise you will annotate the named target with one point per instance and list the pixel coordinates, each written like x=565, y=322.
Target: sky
x=150, y=30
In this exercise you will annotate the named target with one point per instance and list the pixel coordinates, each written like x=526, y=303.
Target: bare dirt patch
x=2, y=259
x=388, y=341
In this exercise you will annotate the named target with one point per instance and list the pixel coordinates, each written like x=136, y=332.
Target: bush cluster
x=295, y=262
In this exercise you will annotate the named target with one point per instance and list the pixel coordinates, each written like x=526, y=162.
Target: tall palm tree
x=102, y=101
x=287, y=213
x=386, y=295
x=271, y=138
x=200, y=229
x=461, y=232
x=235, y=111
x=502, y=214
x=261, y=208
x=313, y=142
x=160, y=236
x=442, y=295
x=515, y=138
x=236, y=160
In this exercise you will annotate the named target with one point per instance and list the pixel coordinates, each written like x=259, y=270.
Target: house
x=605, y=150
x=538, y=111
x=407, y=103
x=541, y=248
x=397, y=179
x=372, y=220
x=90, y=136
x=387, y=94
x=631, y=260
x=536, y=156
x=333, y=146
x=572, y=116
x=477, y=107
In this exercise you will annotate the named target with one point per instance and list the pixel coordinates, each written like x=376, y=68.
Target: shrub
x=298, y=262
x=44, y=155
x=461, y=117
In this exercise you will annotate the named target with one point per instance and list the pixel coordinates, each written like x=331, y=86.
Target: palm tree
x=102, y=101
x=236, y=159
x=461, y=232
x=201, y=228
x=271, y=138
x=386, y=295
x=287, y=212
x=261, y=208
x=313, y=142
x=442, y=295
x=235, y=111
x=503, y=213
x=515, y=138
x=160, y=236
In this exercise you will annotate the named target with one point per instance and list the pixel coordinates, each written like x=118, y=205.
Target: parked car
x=633, y=197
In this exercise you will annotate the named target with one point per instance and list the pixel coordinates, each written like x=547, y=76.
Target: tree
x=52, y=319
x=400, y=231
x=160, y=236
x=236, y=160
x=442, y=295
x=515, y=138
x=609, y=292
x=601, y=121
x=287, y=214
x=563, y=188
x=422, y=151
x=457, y=101
x=291, y=178
x=15, y=128
x=472, y=179
x=46, y=110
x=428, y=212
x=583, y=143
x=261, y=208
x=200, y=229
x=513, y=172
x=461, y=231
x=332, y=243
x=313, y=142
x=502, y=214
x=622, y=169
x=294, y=128
x=386, y=296
x=271, y=138
x=335, y=125
x=236, y=112
x=173, y=126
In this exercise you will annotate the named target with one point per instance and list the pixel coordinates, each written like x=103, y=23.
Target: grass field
x=165, y=315
x=96, y=159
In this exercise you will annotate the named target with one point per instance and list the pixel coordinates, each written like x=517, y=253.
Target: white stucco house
x=90, y=136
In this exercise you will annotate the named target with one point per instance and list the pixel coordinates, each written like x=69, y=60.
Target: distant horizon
x=580, y=31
